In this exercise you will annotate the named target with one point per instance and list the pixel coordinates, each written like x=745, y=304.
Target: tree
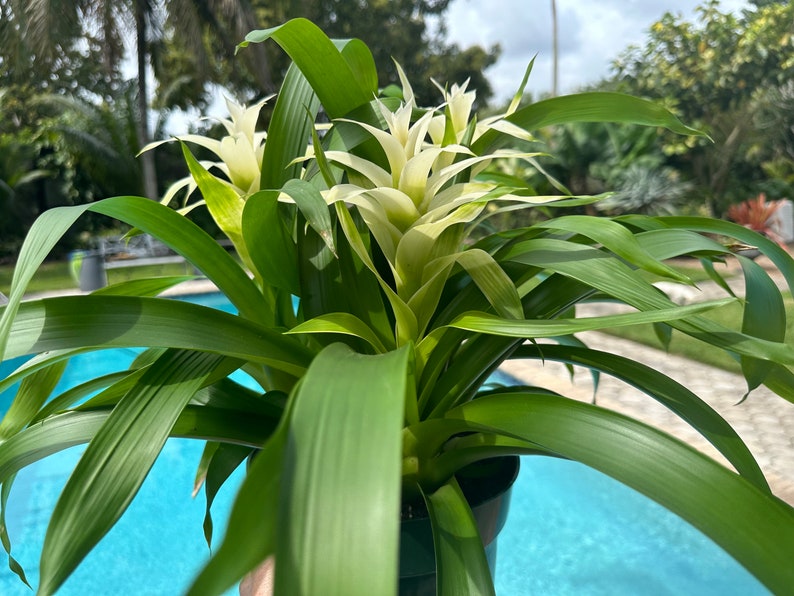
x=717, y=74
x=395, y=31
x=188, y=42
x=53, y=26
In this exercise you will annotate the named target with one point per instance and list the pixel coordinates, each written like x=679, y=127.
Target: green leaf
x=225, y=460
x=615, y=238
x=319, y=273
x=38, y=362
x=340, y=90
x=668, y=243
x=607, y=274
x=341, y=322
x=492, y=281
x=117, y=460
x=33, y=392
x=13, y=564
x=223, y=202
x=671, y=394
x=210, y=447
x=180, y=234
x=75, y=428
x=251, y=532
x=750, y=524
x=361, y=61
x=780, y=257
x=663, y=333
x=190, y=241
x=72, y=322
x=149, y=286
x=715, y=276
x=345, y=497
x=585, y=107
x=314, y=208
x=104, y=382
x=362, y=291
x=764, y=317
x=295, y=112
x=461, y=565
x=407, y=326
x=289, y=129
x=270, y=244
x=475, y=359
x=326, y=171
x=781, y=380
x=526, y=328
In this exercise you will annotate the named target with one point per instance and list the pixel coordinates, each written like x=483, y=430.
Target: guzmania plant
x=374, y=389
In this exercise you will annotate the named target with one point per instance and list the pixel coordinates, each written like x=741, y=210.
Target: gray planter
x=91, y=267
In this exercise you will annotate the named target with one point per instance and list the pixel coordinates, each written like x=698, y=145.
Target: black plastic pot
x=488, y=487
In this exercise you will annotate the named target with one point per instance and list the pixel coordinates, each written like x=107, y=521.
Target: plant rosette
x=759, y=215
x=375, y=388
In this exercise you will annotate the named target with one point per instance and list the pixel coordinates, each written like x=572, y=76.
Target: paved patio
x=764, y=421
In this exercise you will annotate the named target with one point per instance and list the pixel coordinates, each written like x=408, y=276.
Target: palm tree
x=52, y=25
x=101, y=139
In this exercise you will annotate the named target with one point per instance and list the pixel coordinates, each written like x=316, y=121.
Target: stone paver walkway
x=764, y=421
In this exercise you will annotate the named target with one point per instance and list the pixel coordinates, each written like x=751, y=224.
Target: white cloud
x=591, y=36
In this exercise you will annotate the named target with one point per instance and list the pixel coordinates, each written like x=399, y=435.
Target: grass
x=688, y=347
x=57, y=276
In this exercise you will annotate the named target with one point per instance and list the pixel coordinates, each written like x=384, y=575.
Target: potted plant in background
x=373, y=390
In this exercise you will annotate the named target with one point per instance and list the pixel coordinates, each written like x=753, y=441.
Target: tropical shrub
x=758, y=214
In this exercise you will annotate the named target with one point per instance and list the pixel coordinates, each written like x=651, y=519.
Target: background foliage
x=72, y=111
x=72, y=108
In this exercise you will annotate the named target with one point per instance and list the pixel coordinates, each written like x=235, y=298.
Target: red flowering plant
x=758, y=214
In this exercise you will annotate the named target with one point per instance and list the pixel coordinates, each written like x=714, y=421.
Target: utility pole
x=555, y=49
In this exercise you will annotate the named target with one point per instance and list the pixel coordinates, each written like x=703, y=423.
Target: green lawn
x=683, y=345
x=56, y=275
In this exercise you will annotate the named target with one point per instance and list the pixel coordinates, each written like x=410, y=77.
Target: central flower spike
x=418, y=201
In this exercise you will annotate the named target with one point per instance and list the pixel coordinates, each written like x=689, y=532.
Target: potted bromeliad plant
x=373, y=391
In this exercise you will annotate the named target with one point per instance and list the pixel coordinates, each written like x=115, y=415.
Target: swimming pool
x=571, y=530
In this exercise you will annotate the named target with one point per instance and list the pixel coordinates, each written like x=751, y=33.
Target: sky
x=591, y=35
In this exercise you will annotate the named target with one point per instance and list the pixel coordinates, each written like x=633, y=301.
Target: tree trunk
x=147, y=159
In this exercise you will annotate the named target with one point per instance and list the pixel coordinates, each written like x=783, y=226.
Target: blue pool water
x=571, y=530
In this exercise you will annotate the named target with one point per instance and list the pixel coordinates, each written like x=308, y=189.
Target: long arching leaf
x=751, y=525
x=585, y=107
x=332, y=78
x=73, y=322
x=666, y=391
x=611, y=276
x=178, y=233
x=76, y=428
x=486, y=323
x=461, y=564
x=117, y=460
